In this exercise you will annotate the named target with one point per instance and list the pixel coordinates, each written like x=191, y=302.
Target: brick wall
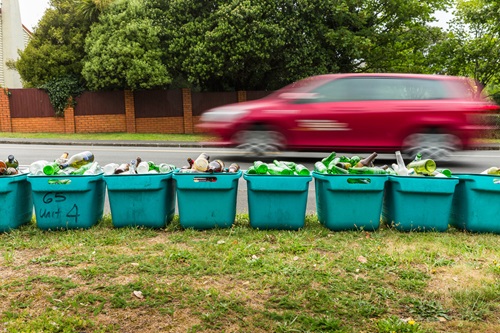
x=101, y=123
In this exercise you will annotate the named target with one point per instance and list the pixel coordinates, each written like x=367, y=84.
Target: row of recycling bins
x=343, y=202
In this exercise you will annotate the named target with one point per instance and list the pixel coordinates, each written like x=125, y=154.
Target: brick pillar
x=5, y=120
x=242, y=96
x=187, y=105
x=129, y=111
x=69, y=120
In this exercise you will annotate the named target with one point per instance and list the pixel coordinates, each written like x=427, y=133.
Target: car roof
x=396, y=75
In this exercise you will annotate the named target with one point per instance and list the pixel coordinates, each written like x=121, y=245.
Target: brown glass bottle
x=233, y=168
x=3, y=168
x=122, y=168
x=367, y=161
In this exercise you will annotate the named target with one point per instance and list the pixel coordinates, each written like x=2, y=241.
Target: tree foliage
x=122, y=49
x=56, y=47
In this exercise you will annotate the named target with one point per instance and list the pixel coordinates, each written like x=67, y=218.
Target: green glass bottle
x=260, y=167
x=51, y=169
x=301, y=170
x=367, y=171
x=278, y=170
x=424, y=167
x=335, y=170
x=329, y=158
x=354, y=160
x=446, y=172
x=11, y=162
x=81, y=170
x=319, y=167
x=251, y=170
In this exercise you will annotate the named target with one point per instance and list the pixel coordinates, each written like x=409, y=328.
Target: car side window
x=378, y=88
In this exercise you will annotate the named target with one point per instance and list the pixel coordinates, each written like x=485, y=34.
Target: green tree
x=123, y=49
x=56, y=47
x=472, y=45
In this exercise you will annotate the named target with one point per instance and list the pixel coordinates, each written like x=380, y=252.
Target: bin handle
x=359, y=181
x=496, y=181
x=57, y=181
x=205, y=179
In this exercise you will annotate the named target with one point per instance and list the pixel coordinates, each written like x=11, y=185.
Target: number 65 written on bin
x=53, y=196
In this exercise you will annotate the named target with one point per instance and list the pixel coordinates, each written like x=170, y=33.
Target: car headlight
x=225, y=114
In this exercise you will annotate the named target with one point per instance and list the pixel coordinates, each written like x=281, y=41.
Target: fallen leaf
x=138, y=294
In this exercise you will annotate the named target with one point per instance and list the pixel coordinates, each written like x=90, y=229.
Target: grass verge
x=111, y=136
x=239, y=279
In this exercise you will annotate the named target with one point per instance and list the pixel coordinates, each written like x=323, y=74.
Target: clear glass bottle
x=215, y=166
x=201, y=163
x=319, y=167
x=400, y=167
x=110, y=168
x=233, y=168
x=143, y=168
x=77, y=160
x=62, y=159
x=36, y=168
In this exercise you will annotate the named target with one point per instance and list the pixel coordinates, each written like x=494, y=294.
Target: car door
x=345, y=112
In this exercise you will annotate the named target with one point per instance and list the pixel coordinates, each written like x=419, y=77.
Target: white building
x=14, y=36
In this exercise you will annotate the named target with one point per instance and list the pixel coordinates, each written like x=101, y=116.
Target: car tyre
x=260, y=141
x=436, y=146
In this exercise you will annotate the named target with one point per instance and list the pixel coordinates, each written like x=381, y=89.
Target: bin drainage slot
x=496, y=181
x=53, y=181
x=359, y=180
x=205, y=179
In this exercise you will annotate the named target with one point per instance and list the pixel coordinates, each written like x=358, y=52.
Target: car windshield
x=300, y=87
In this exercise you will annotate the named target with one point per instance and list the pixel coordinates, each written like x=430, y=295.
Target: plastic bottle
x=36, y=168
x=77, y=160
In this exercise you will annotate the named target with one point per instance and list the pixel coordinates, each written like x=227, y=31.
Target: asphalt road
x=462, y=162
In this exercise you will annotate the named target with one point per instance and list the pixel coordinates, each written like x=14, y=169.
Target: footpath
x=144, y=143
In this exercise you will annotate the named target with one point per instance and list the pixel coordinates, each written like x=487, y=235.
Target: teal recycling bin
x=16, y=206
x=475, y=203
x=349, y=202
x=144, y=200
x=277, y=202
x=415, y=203
x=68, y=202
x=206, y=200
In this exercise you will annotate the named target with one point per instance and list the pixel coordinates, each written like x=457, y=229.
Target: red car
x=431, y=114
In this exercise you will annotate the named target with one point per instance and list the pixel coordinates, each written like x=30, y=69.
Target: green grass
x=110, y=136
x=239, y=279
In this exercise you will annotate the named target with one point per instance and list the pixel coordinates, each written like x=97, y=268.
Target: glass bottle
x=367, y=171
x=425, y=167
x=10, y=171
x=94, y=169
x=84, y=168
x=215, y=166
x=302, y=170
x=251, y=170
x=233, y=168
x=445, y=172
x=400, y=167
x=78, y=160
x=367, y=161
x=491, y=171
x=165, y=168
x=142, y=168
x=51, y=168
x=3, y=168
x=335, y=170
x=201, y=163
x=260, y=167
x=153, y=166
x=11, y=162
x=329, y=158
x=122, y=168
x=354, y=160
x=319, y=167
x=277, y=170
x=62, y=159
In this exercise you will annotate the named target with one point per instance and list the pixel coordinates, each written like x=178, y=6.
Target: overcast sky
x=32, y=11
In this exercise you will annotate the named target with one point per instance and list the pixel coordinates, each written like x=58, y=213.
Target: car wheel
x=260, y=141
x=436, y=146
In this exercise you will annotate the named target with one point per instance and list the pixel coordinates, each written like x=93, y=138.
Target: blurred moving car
x=431, y=114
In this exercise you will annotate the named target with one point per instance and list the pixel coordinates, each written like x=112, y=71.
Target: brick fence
x=161, y=111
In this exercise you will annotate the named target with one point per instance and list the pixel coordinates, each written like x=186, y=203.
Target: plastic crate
x=206, y=201
x=475, y=205
x=145, y=200
x=349, y=202
x=67, y=202
x=277, y=202
x=418, y=203
x=17, y=202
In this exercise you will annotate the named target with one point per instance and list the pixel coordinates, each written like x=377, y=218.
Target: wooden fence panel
x=100, y=103
x=203, y=101
x=253, y=95
x=158, y=103
x=30, y=103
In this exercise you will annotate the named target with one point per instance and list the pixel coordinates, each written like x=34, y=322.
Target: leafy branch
x=62, y=92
